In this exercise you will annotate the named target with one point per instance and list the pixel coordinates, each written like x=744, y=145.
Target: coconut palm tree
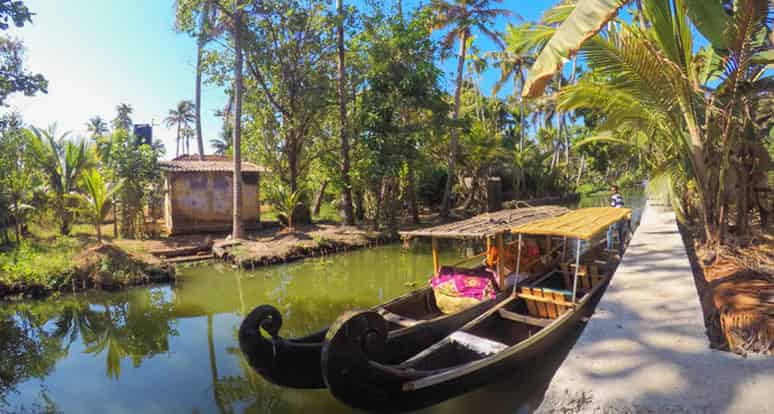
x=95, y=198
x=97, y=127
x=460, y=17
x=208, y=26
x=181, y=116
x=62, y=162
x=123, y=119
x=650, y=80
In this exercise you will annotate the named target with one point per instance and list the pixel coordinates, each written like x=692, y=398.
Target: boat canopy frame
x=487, y=226
x=581, y=224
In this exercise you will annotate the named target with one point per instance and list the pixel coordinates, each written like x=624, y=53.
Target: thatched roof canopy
x=487, y=224
x=584, y=223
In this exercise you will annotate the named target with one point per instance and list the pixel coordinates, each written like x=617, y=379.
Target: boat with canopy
x=414, y=321
x=513, y=334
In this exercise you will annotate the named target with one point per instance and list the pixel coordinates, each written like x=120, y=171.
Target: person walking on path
x=617, y=201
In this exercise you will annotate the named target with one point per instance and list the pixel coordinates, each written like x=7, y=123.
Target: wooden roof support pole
x=577, y=268
x=436, y=261
x=564, y=249
x=500, y=256
x=518, y=264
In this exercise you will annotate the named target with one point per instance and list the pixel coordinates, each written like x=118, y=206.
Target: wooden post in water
x=500, y=256
x=436, y=262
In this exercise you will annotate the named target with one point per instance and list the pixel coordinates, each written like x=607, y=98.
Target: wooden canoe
x=514, y=334
x=412, y=323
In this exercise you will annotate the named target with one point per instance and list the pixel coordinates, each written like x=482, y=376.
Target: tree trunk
x=17, y=224
x=379, y=202
x=177, y=141
x=198, y=93
x=411, y=192
x=98, y=227
x=293, y=166
x=64, y=215
x=115, y=219
x=237, y=140
x=446, y=201
x=359, y=202
x=522, y=114
x=346, y=186
x=580, y=170
x=318, y=199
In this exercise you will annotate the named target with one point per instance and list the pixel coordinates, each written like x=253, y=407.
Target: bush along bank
x=35, y=269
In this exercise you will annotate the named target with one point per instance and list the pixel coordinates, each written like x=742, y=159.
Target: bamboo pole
x=436, y=261
x=518, y=264
x=500, y=256
x=577, y=267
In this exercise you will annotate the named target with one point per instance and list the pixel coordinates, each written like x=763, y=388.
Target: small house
x=199, y=194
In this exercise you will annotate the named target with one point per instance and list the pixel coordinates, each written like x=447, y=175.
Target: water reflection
x=175, y=348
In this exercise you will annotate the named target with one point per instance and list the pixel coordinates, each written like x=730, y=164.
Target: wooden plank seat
x=545, y=302
x=477, y=344
x=529, y=320
x=397, y=319
x=588, y=275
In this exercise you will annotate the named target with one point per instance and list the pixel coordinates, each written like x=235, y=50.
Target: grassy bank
x=271, y=246
x=41, y=265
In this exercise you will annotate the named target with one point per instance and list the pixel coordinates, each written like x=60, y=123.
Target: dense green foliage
x=348, y=105
x=699, y=119
x=13, y=76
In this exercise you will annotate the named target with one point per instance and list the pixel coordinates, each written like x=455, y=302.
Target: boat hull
x=354, y=377
x=295, y=363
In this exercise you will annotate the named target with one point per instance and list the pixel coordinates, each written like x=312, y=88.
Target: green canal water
x=174, y=349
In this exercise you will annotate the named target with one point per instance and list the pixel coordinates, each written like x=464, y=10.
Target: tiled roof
x=215, y=163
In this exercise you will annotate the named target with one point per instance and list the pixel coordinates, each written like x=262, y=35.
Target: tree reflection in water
x=35, y=335
x=80, y=342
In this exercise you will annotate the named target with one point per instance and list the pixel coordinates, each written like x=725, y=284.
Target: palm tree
x=513, y=65
x=181, y=116
x=460, y=17
x=95, y=198
x=62, y=162
x=123, y=119
x=187, y=134
x=221, y=145
x=649, y=80
x=97, y=127
x=208, y=26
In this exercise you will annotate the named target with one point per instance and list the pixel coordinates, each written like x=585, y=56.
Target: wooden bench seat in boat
x=545, y=302
x=588, y=275
x=529, y=320
x=397, y=319
x=477, y=344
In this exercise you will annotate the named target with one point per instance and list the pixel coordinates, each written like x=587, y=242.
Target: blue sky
x=99, y=53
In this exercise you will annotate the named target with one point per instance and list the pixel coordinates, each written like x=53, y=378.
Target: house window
x=197, y=182
x=250, y=179
x=220, y=182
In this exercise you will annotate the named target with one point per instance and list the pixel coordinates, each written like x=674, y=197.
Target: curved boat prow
x=352, y=345
x=289, y=363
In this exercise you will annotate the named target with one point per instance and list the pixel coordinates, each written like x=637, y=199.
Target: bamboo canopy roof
x=487, y=224
x=584, y=223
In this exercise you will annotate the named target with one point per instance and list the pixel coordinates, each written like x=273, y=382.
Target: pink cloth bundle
x=468, y=283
